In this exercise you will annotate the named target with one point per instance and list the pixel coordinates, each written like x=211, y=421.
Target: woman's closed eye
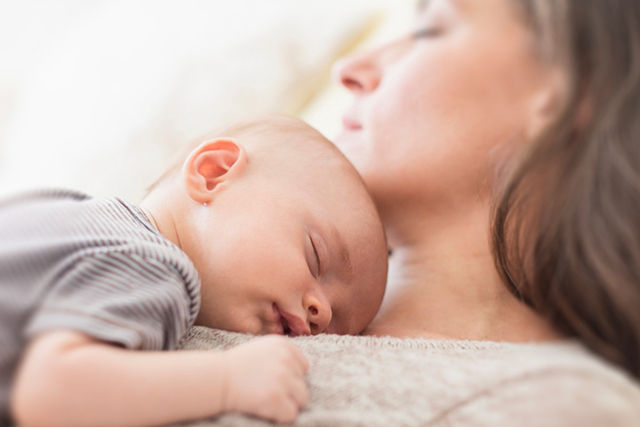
x=426, y=32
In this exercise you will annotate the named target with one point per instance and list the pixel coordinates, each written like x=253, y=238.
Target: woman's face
x=430, y=109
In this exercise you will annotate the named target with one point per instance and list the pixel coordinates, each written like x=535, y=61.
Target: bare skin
x=277, y=251
x=453, y=293
x=432, y=115
x=102, y=381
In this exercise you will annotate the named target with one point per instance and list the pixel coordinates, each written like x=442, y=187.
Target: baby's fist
x=266, y=378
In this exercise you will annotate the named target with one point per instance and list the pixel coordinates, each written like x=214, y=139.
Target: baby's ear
x=211, y=165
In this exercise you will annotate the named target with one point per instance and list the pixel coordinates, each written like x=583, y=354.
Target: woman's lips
x=350, y=124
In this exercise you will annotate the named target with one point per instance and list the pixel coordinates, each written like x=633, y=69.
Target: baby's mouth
x=285, y=326
x=292, y=325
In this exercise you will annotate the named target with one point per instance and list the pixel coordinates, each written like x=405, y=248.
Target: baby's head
x=280, y=228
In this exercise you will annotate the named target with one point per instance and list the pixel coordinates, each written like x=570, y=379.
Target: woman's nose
x=359, y=73
x=318, y=311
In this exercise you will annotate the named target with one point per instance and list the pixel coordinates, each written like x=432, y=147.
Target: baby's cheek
x=246, y=323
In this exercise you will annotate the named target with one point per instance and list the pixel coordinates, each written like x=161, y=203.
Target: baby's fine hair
x=289, y=130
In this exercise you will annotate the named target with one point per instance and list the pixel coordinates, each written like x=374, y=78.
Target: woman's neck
x=443, y=284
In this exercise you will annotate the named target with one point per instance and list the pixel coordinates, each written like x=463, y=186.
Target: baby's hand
x=266, y=378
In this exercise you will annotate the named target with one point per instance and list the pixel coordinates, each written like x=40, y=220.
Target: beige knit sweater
x=369, y=381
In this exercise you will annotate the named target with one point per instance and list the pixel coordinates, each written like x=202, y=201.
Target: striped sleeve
x=121, y=298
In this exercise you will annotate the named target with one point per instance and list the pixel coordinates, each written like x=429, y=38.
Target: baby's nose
x=318, y=311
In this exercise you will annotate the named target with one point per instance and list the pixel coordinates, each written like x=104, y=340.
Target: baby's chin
x=254, y=326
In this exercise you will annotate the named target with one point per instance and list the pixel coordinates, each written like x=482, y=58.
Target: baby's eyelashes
x=313, y=259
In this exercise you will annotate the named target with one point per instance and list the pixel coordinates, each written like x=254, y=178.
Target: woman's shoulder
x=556, y=394
x=392, y=381
x=480, y=382
x=559, y=383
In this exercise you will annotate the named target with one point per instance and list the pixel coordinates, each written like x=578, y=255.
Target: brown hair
x=566, y=225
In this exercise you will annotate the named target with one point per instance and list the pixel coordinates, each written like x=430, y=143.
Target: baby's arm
x=67, y=378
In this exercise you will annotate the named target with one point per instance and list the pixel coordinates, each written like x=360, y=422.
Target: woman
x=500, y=142
x=529, y=106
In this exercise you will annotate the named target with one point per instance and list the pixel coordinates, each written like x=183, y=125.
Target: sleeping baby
x=266, y=229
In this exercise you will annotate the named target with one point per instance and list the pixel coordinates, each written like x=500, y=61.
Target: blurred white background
x=97, y=95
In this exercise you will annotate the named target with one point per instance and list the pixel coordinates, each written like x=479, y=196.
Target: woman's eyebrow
x=422, y=5
x=343, y=252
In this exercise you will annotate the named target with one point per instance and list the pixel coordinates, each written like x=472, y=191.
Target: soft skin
x=291, y=240
x=433, y=116
x=285, y=239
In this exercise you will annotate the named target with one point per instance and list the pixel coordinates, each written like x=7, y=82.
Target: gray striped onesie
x=98, y=266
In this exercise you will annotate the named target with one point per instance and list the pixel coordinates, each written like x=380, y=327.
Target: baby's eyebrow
x=343, y=252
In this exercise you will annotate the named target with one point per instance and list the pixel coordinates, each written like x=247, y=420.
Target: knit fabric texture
x=385, y=381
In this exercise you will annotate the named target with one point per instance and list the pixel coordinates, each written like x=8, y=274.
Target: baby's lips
x=296, y=324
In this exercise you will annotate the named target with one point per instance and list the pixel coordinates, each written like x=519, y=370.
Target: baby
x=267, y=230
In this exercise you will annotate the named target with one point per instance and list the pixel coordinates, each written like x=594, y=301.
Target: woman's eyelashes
x=428, y=32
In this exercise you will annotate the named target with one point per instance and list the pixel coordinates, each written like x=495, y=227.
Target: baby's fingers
x=299, y=392
x=287, y=412
x=300, y=359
